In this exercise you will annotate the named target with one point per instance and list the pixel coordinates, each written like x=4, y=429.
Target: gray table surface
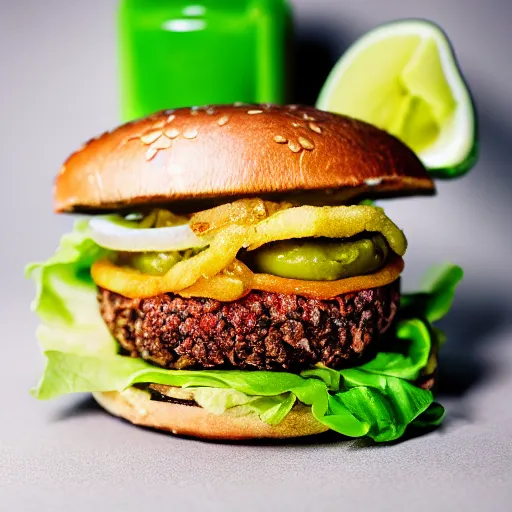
x=58, y=88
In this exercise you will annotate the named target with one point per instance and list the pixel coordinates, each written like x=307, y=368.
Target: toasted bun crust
x=135, y=406
x=236, y=151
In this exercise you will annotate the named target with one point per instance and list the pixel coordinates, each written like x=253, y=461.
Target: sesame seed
x=150, y=137
x=373, y=182
x=191, y=133
x=293, y=107
x=151, y=153
x=158, y=124
x=255, y=111
x=210, y=111
x=171, y=118
x=294, y=146
x=306, y=143
x=172, y=133
x=297, y=125
x=194, y=112
x=223, y=120
x=239, y=104
x=280, y=139
x=307, y=117
x=162, y=143
x=315, y=128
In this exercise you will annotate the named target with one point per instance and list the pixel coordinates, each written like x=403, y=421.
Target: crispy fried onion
x=216, y=273
x=244, y=212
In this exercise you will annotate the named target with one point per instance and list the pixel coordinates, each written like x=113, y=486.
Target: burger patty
x=261, y=331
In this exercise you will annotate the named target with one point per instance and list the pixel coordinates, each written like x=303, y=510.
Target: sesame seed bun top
x=205, y=154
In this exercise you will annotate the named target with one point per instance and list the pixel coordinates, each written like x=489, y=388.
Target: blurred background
x=59, y=87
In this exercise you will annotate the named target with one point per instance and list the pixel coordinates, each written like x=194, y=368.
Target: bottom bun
x=135, y=406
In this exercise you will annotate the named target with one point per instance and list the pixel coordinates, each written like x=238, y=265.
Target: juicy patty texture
x=261, y=331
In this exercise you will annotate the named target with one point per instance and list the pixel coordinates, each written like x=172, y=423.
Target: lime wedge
x=403, y=77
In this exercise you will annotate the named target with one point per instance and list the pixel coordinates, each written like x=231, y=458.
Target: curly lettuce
x=377, y=399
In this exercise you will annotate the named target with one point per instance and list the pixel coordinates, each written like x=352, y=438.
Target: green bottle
x=174, y=53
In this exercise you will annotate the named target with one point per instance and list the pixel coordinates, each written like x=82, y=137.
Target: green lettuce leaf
x=376, y=399
x=408, y=352
x=65, y=298
x=386, y=405
x=437, y=298
x=272, y=409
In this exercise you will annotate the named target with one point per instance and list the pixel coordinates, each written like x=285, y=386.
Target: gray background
x=58, y=87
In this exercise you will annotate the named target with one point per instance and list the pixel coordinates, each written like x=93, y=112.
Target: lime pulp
x=403, y=78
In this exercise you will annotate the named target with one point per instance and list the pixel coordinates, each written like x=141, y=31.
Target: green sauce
x=154, y=263
x=177, y=53
x=322, y=260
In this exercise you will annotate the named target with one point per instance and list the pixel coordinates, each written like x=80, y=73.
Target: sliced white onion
x=109, y=234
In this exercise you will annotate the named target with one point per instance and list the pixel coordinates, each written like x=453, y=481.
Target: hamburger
x=231, y=278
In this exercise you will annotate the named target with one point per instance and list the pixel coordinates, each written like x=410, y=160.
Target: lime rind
x=454, y=150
